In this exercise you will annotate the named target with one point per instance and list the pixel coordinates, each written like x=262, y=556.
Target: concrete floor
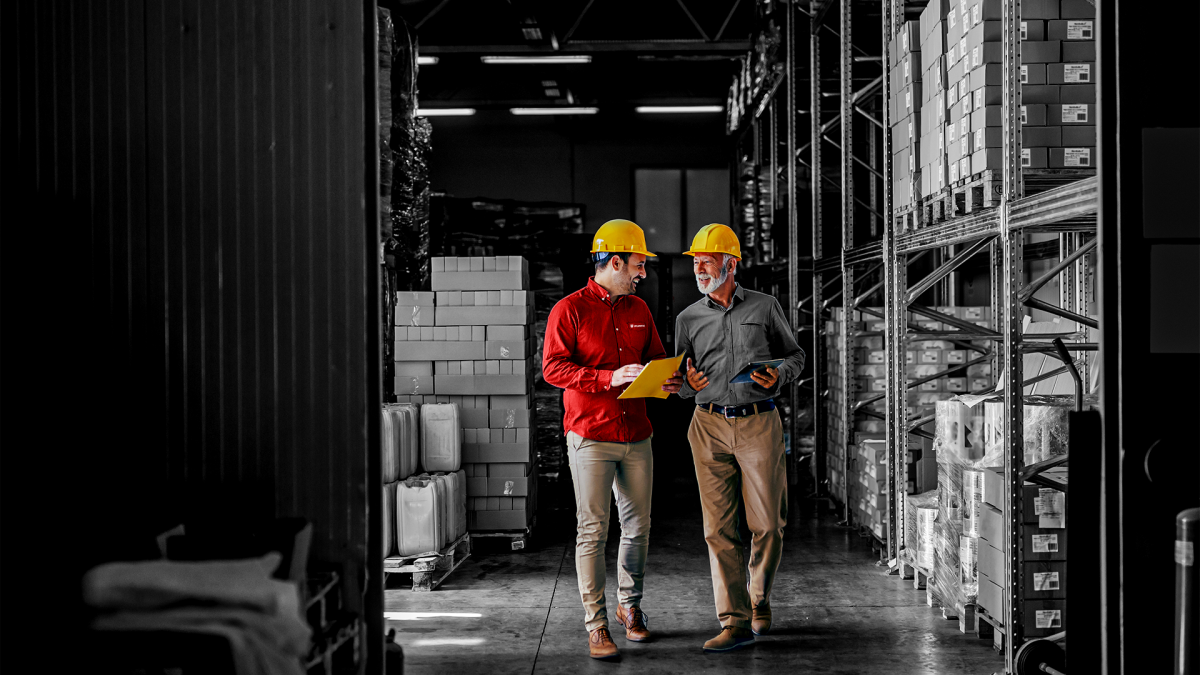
x=835, y=610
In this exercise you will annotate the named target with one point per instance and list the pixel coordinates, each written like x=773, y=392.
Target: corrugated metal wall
x=198, y=173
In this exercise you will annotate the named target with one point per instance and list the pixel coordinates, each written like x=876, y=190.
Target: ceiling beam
x=733, y=47
x=693, y=20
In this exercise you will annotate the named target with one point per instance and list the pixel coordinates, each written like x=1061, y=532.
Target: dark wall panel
x=197, y=268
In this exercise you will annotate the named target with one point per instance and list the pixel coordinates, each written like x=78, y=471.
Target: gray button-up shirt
x=721, y=341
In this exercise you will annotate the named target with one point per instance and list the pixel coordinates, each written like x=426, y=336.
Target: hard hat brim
x=648, y=254
x=693, y=253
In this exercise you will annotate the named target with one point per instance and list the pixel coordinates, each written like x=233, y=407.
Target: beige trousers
x=598, y=470
x=741, y=460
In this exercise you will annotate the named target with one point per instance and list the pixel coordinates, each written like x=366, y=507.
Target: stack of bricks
x=1058, y=90
x=471, y=342
x=908, y=127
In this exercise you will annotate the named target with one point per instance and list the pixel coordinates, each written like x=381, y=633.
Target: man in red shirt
x=597, y=341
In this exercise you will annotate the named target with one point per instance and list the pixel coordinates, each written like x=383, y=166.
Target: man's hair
x=601, y=259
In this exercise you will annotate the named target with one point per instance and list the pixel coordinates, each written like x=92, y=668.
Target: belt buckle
x=726, y=410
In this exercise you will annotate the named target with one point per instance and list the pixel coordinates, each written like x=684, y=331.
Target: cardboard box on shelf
x=1044, y=543
x=1034, y=29
x=413, y=368
x=1044, y=617
x=1041, y=137
x=986, y=159
x=991, y=524
x=1041, y=93
x=1045, y=579
x=510, y=419
x=462, y=316
x=1069, y=73
x=1041, y=51
x=1078, y=136
x=485, y=521
x=1039, y=9
x=421, y=298
x=1034, y=114
x=1071, y=29
x=986, y=116
x=1033, y=73
x=414, y=315
x=991, y=598
x=493, y=453
x=1072, y=113
x=1068, y=158
x=1077, y=9
x=414, y=385
x=991, y=562
x=1076, y=93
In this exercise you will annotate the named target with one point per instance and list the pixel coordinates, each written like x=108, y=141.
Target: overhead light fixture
x=585, y=58
x=680, y=108
x=427, y=60
x=554, y=111
x=444, y=112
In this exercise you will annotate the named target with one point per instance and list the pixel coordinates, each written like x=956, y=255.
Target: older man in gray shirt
x=736, y=434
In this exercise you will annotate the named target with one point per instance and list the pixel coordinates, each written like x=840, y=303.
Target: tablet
x=743, y=376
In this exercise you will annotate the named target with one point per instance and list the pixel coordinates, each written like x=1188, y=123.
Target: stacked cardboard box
x=1044, y=566
x=974, y=88
x=1058, y=74
x=477, y=351
x=873, y=486
x=932, y=143
x=907, y=102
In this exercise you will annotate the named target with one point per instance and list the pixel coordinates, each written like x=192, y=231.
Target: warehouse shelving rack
x=1069, y=209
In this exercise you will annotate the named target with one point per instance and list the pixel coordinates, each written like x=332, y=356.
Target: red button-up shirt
x=588, y=336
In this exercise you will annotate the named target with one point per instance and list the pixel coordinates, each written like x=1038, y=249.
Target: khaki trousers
x=599, y=469
x=741, y=459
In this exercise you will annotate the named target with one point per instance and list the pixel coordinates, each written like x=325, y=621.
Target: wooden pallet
x=428, y=570
x=951, y=611
x=988, y=627
x=980, y=191
x=909, y=569
x=518, y=539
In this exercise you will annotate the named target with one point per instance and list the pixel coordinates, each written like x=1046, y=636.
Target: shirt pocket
x=753, y=344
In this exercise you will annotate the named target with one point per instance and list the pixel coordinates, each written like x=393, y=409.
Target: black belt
x=731, y=411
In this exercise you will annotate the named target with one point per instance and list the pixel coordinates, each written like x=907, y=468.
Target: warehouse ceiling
x=643, y=52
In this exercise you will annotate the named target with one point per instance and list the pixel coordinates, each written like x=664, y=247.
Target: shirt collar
x=738, y=294
x=598, y=291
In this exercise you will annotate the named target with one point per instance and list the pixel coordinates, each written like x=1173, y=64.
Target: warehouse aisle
x=836, y=612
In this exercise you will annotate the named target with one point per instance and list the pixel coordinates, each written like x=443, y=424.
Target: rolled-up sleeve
x=783, y=343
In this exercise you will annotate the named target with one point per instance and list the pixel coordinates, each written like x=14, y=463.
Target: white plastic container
x=389, y=519
x=409, y=439
x=446, y=494
x=418, y=517
x=389, y=443
x=441, y=437
x=460, y=507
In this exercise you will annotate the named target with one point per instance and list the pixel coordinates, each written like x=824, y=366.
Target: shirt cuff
x=603, y=380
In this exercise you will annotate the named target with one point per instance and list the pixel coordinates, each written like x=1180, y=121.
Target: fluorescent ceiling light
x=536, y=59
x=427, y=60
x=680, y=108
x=444, y=112
x=554, y=111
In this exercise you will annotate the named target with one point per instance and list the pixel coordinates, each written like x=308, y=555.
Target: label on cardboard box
x=1026, y=157
x=1045, y=543
x=1045, y=581
x=1024, y=76
x=1048, y=618
x=1079, y=30
x=1073, y=112
x=1077, y=156
x=1077, y=73
x=1024, y=33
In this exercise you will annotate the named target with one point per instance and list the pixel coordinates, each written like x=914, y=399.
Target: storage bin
x=418, y=517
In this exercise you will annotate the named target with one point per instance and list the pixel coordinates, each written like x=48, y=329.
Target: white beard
x=713, y=284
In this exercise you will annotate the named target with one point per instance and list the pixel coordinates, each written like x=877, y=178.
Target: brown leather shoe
x=731, y=637
x=601, y=645
x=760, y=624
x=634, y=621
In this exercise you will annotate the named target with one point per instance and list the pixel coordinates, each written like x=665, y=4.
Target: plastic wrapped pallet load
x=441, y=437
x=418, y=517
x=389, y=519
x=961, y=446
x=920, y=518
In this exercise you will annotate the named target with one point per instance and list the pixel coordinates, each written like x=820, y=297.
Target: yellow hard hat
x=716, y=238
x=620, y=236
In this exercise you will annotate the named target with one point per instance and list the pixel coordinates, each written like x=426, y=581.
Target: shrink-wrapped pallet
x=418, y=517
x=1044, y=435
x=441, y=437
x=920, y=521
x=961, y=446
x=389, y=519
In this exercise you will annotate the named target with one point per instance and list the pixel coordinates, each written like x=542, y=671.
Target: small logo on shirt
x=637, y=325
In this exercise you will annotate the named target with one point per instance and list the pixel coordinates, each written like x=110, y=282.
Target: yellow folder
x=649, y=382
